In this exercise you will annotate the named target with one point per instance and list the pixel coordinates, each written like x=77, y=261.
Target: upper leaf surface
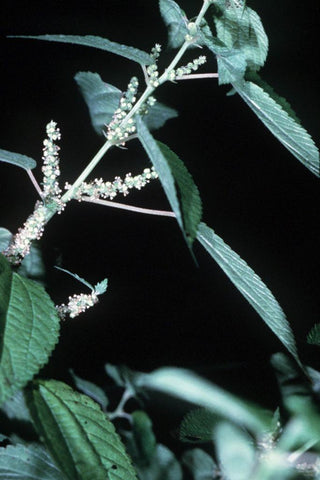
x=130, y=53
x=250, y=285
x=30, y=316
x=175, y=19
x=17, y=159
x=78, y=434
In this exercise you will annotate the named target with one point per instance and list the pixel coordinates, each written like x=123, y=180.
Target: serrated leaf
x=200, y=464
x=250, y=286
x=26, y=310
x=197, y=426
x=314, y=335
x=240, y=28
x=101, y=287
x=170, y=170
x=100, y=43
x=164, y=466
x=79, y=436
x=175, y=19
x=91, y=389
x=235, y=452
x=103, y=99
x=28, y=462
x=17, y=159
x=191, y=388
x=284, y=127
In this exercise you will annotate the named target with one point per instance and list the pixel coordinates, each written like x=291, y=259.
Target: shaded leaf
x=191, y=388
x=200, y=464
x=175, y=19
x=28, y=462
x=25, y=310
x=91, y=389
x=17, y=159
x=197, y=426
x=250, y=285
x=141, y=441
x=5, y=238
x=78, y=434
x=314, y=335
x=100, y=43
x=125, y=377
x=16, y=408
x=235, y=452
x=164, y=466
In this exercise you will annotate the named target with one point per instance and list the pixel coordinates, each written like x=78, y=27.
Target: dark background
x=160, y=309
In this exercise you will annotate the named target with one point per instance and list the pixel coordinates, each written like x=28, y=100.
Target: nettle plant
x=73, y=433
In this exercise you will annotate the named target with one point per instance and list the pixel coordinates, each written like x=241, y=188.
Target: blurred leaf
x=164, y=466
x=175, y=19
x=32, y=266
x=200, y=464
x=250, y=285
x=25, y=310
x=130, y=53
x=125, y=377
x=235, y=452
x=16, y=408
x=5, y=238
x=198, y=425
x=17, y=159
x=189, y=387
x=143, y=441
x=28, y=462
x=314, y=335
x=90, y=389
x=78, y=434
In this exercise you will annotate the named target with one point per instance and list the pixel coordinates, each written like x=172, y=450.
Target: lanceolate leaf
x=29, y=327
x=17, y=159
x=284, y=127
x=250, y=285
x=130, y=53
x=78, y=434
x=175, y=19
x=103, y=99
x=30, y=462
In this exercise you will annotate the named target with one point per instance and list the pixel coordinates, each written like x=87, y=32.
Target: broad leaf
x=170, y=170
x=78, y=434
x=100, y=43
x=17, y=159
x=16, y=408
x=175, y=19
x=191, y=388
x=91, y=389
x=235, y=452
x=164, y=466
x=197, y=426
x=250, y=285
x=200, y=464
x=283, y=126
x=30, y=462
x=103, y=99
x=27, y=314
x=141, y=442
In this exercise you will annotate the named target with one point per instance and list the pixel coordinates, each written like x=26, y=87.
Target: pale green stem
x=197, y=76
x=34, y=182
x=132, y=208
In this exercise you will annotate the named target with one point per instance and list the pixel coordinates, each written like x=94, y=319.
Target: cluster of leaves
x=79, y=436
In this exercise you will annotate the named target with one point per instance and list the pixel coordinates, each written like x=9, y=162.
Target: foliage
x=78, y=435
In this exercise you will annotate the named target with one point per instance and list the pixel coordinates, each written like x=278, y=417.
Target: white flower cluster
x=51, y=170
x=152, y=69
x=100, y=189
x=32, y=229
x=117, y=131
x=187, y=69
x=77, y=304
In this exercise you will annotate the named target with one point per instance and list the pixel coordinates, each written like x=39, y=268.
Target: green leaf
x=26, y=310
x=90, y=389
x=5, y=238
x=170, y=170
x=314, y=335
x=200, y=464
x=16, y=408
x=191, y=388
x=17, y=159
x=100, y=43
x=235, y=452
x=103, y=99
x=143, y=441
x=240, y=28
x=197, y=426
x=164, y=466
x=27, y=462
x=283, y=126
x=125, y=377
x=78, y=434
x=250, y=285
x=175, y=19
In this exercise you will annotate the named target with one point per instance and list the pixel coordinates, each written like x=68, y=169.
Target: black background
x=160, y=308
